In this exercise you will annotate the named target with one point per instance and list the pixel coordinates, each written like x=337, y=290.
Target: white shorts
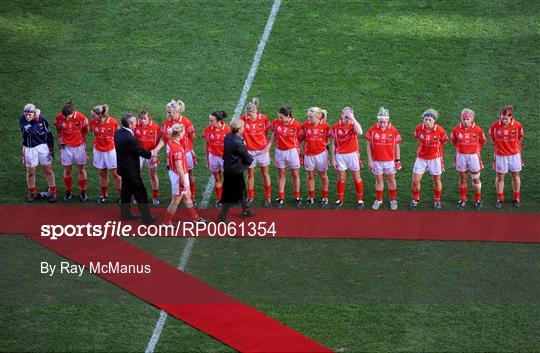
x=70, y=155
x=318, y=161
x=433, y=166
x=384, y=167
x=34, y=156
x=349, y=161
x=148, y=163
x=175, y=183
x=215, y=163
x=505, y=164
x=468, y=162
x=288, y=158
x=190, y=160
x=260, y=158
x=104, y=160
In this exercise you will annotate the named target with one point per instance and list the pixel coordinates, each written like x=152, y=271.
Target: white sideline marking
x=210, y=185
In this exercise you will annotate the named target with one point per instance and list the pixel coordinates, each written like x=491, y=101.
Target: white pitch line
x=210, y=185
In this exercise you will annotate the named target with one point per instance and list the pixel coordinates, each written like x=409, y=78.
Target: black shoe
x=150, y=220
x=279, y=203
x=324, y=203
x=218, y=205
x=130, y=217
x=222, y=219
x=437, y=206
x=249, y=202
x=102, y=199
x=478, y=205
x=309, y=202
x=31, y=197
x=499, y=204
x=68, y=197
x=413, y=204
x=195, y=203
x=517, y=203
x=461, y=205
x=360, y=205
x=83, y=197
x=266, y=203
x=338, y=204
x=297, y=202
x=51, y=198
x=248, y=213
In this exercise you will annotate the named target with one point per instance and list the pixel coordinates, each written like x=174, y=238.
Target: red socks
x=463, y=193
x=340, y=190
x=378, y=194
x=268, y=191
x=392, y=193
x=359, y=190
x=68, y=182
x=437, y=195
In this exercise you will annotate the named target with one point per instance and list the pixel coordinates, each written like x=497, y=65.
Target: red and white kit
x=383, y=148
x=214, y=146
x=187, y=141
x=287, y=143
x=256, y=137
x=72, y=134
x=468, y=142
x=315, y=138
x=507, y=145
x=347, y=148
x=148, y=137
x=175, y=153
x=429, y=155
x=104, y=153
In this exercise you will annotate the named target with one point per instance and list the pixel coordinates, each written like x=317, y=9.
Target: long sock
x=219, y=191
x=311, y=193
x=104, y=190
x=297, y=194
x=192, y=188
x=281, y=195
x=478, y=194
x=378, y=194
x=82, y=184
x=32, y=190
x=68, y=183
x=52, y=190
x=500, y=196
x=359, y=186
x=392, y=193
x=251, y=194
x=516, y=195
x=437, y=195
x=463, y=193
x=324, y=194
x=193, y=214
x=340, y=190
x=155, y=193
x=416, y=194
x=268, y=191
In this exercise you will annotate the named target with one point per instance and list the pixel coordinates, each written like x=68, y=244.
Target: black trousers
x=234, y=192
x=134, y=187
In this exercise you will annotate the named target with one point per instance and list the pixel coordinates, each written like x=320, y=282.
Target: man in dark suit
x=128, y=152
x=236, y=160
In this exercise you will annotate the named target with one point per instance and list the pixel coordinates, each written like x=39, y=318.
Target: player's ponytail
x=68, y=108
x=181, y=107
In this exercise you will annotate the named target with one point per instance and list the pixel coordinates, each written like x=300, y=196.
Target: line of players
x=316, y=135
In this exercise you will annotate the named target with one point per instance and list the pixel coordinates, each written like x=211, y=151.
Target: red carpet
x=467, y=226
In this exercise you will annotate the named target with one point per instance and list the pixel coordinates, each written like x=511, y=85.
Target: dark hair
x=144, y=111
x=126, y=118
x=219, y=115
x=285, y=110
x=507, y=110
x=68, y=108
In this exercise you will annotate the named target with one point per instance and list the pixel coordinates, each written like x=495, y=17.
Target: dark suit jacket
x=128, y=152
x=236, y=158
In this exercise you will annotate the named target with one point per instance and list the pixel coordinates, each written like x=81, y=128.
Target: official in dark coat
x=236, y=160
x=128, y=152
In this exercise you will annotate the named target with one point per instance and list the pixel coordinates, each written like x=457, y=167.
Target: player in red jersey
x=468, y=139
x=429, y=157
x=256, y=126
x=148, y=133
x=214, y=135
x=316, y=133
x=177, y=165
x=384, y=157
x=174, y=111
x=346, y=155
x=72, y=127
x=286, y=135
x=104, y=126
x=506, y=134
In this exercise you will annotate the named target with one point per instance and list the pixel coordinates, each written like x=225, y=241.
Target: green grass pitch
x=350, y=295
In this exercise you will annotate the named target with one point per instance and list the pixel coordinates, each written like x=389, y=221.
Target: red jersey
x=175, y=153
x=287, y=135
x=104, y=133
x=256, y=131
x=215, y=138
x=71, y=132
x=315, y=137
x=430, y=143
x=148, y=135
x=345, y=137
x=468, y=140
x=188, y=128
x=506, y=139
x=383, y=142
